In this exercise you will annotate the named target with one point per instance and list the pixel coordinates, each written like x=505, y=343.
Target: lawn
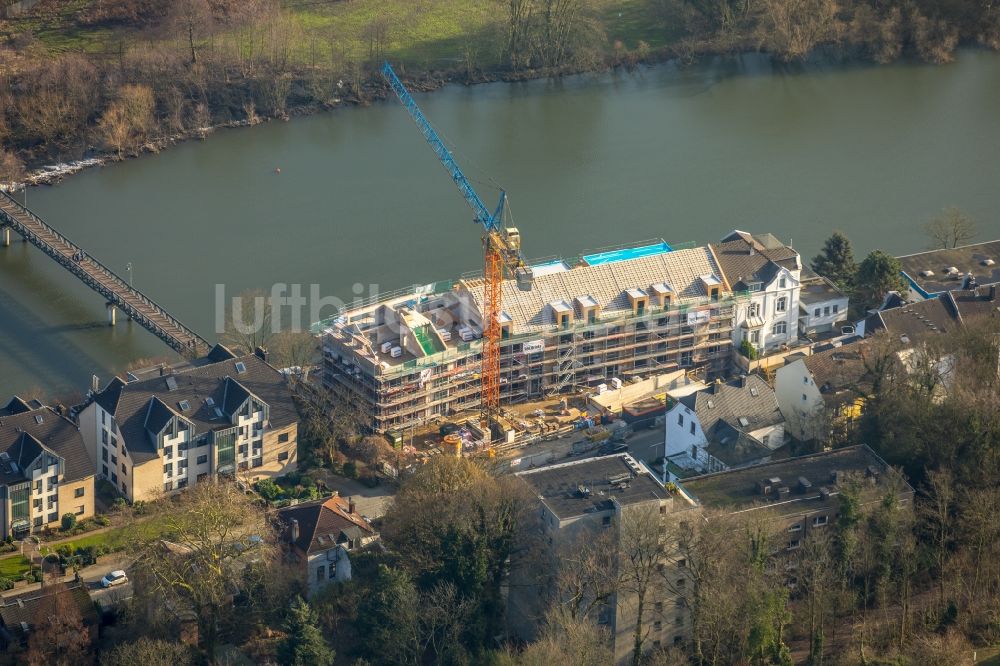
x=14, y=566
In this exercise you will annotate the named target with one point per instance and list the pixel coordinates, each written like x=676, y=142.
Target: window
x=52, y=500
x=104, y=455
x=168, y=452
x=243, y=449
x=104, y=416
x=826, y=311
x=114, y=478
x=168, y=469
x=663, y=509
x=692, y=427
x=819, y=521
x=182, y=483
x=168, y=486
x=79, y=510
x=804, y=398
x=243, y=465
x=797, y=527
x=104, y=436
x=606, y=520
x=182, y=464
x=782, y=305
x=755, y=337
x=38, y=521
x=681, y=564
x=320, y=573
x=680, y=419
x=202, y=459
x=657, y=626
x=835, y=308
x=124, y=488
x=753, y=310
x=114, y=459
x=124, y=452
x=781, y=328
x=694, y=451
x=282, y=438
x=679, y=620
x=53, y=517
x=782, y=283
x=258, y=462
x=283, y=456
x=816, y=312
x=793, y=544
x=658, y=606
x=104, y=469
x=79, y=492
x=37, y=503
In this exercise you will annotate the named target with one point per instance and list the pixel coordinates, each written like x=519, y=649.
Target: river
x=685, y=154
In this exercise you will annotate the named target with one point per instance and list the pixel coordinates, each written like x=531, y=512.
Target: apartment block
x=577, y=502
x=223, y=415
x=45, y=471
x=626, y=313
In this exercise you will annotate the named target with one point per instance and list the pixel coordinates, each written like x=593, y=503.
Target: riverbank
x=102, y=81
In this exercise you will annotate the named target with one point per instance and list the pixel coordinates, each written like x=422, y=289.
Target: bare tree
x=249, y=322
x=587, y=577
x=126, y=123
x=11, y=168
x=191, y=19
x=58, y=636
x=950, y=229
x=219, y=543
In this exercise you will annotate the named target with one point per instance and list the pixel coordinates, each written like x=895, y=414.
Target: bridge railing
x=120, y=284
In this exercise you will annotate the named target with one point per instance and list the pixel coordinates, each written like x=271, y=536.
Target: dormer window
x=562, y=312
x=639, y=301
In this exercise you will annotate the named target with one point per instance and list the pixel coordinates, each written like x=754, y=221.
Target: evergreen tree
x=878, y=274
x=304, y=645
x=836, y=261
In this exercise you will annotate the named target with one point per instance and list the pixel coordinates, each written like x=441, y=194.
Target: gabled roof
x=324, y=524
x=23, y=437
x=235, y=394
x=734, y=447
x=158, y=415
x=841, y=373
x=29, y=607
x=16, y=406
x=746, y=404
x=975, y=306
x=204, y=390
x=915, y=322
x=606, y=283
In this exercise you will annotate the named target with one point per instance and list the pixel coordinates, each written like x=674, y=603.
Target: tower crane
x=501, y=253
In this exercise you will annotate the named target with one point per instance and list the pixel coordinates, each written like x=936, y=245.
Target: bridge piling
x=111, y=314
x=6, y=236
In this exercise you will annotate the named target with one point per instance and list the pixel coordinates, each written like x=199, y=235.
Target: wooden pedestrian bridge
x=118, y=294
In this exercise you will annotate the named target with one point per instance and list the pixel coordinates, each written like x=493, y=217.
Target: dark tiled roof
x=734, y=447
x=234, y=395
x=204, y=389
x=914, y=322
x=22, y=437
x=324, y=524
x=749, y=399
x=559, y=485
x=841, y=374
x=967, y=259
x=975, y=306
x=742, y=262
x=31, y=607
x=108, y=398
x=15, y=406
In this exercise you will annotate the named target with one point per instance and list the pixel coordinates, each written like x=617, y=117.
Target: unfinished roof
x=586, y=486
x=606, y=283
x=206, y=391
x=22, y=437
x=737, y=489
x=747, y=404
x=817, y=289
x=929, y=273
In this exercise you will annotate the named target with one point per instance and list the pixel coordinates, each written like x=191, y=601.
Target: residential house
x=770, y=271
x=931, y=274
x=577, y=502
x=822, y=306
x=728, y=425
x=800, y=494
x=45, y=471
x=221, y=415
x=20, y=614
x=321, y=535
x=824, y=391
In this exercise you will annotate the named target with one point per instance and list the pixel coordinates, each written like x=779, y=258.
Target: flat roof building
x=932, y=273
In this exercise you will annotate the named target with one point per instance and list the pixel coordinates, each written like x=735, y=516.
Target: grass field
x=419, y=33
x=13, y=567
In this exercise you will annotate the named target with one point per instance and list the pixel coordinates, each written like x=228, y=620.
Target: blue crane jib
x=492, y=222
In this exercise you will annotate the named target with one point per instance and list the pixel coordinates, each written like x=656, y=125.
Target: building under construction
x=605, y=318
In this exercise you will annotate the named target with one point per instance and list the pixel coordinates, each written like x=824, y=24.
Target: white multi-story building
x=770, y=272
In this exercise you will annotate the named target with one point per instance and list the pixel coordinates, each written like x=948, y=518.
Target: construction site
x=610, y=318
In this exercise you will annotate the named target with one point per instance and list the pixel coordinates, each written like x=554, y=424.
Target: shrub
x=748, y=350
x=6, y=583
x=269, y=490
x=351, y=469
x=68, y=522
x=103, y=521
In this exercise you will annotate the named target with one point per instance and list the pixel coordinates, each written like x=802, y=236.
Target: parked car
x=114, y=578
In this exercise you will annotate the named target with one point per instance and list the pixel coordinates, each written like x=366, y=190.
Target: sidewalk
x=89, y=575
x=56, y=542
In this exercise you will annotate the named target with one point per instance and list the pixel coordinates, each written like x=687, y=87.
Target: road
x=644, y=445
